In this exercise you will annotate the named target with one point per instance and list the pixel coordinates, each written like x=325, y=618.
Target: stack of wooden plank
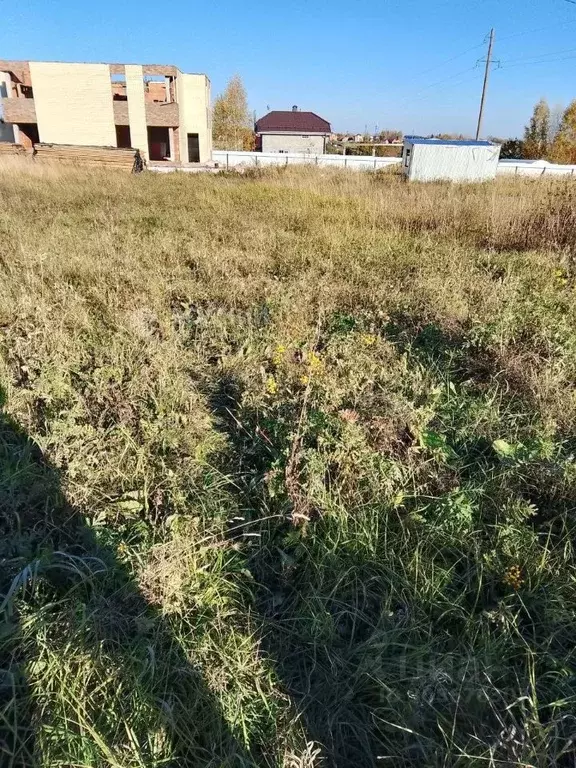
x=7, y=148
x=99, y=157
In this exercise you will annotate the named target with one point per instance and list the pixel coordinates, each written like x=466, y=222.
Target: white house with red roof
x=292, y=131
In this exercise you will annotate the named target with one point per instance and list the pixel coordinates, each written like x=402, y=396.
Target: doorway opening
x=123, y=136
x=193, y=148
x=158, y=143
x=28, y=134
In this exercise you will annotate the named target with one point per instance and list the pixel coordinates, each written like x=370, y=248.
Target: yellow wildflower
x=271, y=385
x=368, y=339
x=278, y=356
x=513, y=577
x=314, y=361
x=304, y=380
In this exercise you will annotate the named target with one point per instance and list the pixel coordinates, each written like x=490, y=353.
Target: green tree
x=537, y=132
x=564, y=146
x=511, y=149
x=231, y=123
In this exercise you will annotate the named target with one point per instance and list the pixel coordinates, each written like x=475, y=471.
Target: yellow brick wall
x=73, y=103
x=137, y=108
x=193, y=93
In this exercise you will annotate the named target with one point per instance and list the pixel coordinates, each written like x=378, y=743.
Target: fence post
x=286, y=159
x=256, y=160
x=345, y=159
x=374, y=162
x=227, y=160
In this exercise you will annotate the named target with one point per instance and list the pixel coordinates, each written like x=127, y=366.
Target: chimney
x=294, y=108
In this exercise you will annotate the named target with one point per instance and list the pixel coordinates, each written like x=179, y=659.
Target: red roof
x=298, y=122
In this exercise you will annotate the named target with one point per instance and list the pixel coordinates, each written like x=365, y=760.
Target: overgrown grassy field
x=287, y=471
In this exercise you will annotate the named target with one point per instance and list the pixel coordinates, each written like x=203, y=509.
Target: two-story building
x=156, y=108
x=292, y=131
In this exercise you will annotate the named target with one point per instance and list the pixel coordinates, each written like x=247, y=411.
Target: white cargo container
x=439, y=159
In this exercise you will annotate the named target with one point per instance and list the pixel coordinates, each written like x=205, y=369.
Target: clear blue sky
x=355, y=63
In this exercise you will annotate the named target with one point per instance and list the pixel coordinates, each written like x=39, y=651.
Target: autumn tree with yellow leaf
x=231, y=123
x=537, y=132
x=564, y=146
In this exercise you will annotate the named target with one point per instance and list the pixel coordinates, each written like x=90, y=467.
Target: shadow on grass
x=314, y=620
x=364, y=660
x=377, y=668
x=64, y=593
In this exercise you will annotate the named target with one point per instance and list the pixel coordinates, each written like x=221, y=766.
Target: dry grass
x=286, y=470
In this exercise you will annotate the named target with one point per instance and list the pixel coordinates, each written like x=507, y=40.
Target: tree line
x=550, y=135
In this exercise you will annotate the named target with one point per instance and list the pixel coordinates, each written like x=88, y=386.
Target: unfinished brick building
x=155, y=108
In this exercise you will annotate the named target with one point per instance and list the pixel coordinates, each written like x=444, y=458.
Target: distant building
x=450, y=160
x=359, y=137
x=292, y=131
x=154, y=108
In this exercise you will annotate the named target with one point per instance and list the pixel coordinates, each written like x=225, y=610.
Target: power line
x=538, y=56
x=446, y=99
x=451, y=85
x=452, y=58
x=437, y=66
x=540, y=29
x=445, y=80
x=541, y=58
x=442, y=97
x=439, y=82
x=480, y=45
x=450, y=79
x=530, y=63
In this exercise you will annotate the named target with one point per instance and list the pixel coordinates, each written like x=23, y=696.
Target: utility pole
x=485, y=85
